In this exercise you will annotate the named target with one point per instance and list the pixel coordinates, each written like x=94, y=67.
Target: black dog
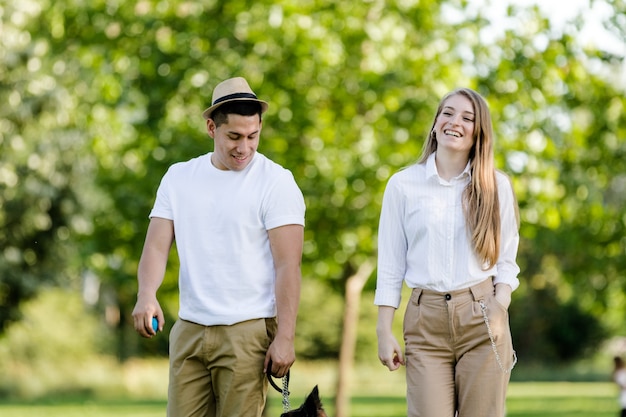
x=312, y=407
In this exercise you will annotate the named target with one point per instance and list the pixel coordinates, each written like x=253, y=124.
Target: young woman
x=449, y=229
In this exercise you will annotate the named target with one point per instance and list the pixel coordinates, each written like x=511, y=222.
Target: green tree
x=102, y=96
x=561, y=126
x=45, y=186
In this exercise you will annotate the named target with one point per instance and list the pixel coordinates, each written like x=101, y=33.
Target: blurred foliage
x=100, y=97
x=567, y=332
x=55, y=338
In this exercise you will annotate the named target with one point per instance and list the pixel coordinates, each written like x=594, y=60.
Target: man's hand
x=283, y=355
x=145, y=309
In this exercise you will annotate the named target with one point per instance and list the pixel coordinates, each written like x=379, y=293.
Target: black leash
x=285, y=390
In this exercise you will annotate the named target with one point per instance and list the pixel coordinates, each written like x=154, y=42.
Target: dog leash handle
x=286, y=406
x=284, y=391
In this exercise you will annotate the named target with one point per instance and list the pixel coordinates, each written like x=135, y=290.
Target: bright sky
x=559, y=12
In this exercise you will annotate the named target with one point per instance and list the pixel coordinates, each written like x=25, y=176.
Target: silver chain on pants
x=483, y=308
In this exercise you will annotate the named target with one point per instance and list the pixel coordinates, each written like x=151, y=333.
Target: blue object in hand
x=155, y=324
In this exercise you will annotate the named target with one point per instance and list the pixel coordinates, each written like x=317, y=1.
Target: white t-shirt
x=422, y=237
x=221, y=219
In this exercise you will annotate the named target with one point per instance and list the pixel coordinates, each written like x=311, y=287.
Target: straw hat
x=233, y=89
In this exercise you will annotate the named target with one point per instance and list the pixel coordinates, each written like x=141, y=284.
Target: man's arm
x=150, y=273
x=286, y=245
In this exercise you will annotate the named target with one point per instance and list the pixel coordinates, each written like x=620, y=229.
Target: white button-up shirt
x=423, y=240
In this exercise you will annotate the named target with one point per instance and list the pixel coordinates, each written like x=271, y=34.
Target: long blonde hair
x=481, y=205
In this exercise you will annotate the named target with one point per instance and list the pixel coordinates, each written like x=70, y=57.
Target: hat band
x=234, y=97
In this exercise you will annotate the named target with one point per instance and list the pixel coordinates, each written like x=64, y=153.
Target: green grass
x=84, y=408
x=140, y=389
x=370, y=406
x=525, y=399
x=572, y=399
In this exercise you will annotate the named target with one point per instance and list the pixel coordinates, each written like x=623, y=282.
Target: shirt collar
x=431, y=168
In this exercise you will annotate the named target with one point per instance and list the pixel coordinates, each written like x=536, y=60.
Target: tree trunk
x=354, y=288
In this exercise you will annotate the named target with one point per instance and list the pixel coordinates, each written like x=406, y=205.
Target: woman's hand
x=503, y=294
x=389, y=350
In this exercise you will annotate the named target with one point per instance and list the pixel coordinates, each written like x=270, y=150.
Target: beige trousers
x=217, y=371
x=451, y=366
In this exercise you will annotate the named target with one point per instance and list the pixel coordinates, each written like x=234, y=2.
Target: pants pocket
x=412, y=315
x=271, y=327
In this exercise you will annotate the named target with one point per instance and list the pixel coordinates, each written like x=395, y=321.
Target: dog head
x=312, y=407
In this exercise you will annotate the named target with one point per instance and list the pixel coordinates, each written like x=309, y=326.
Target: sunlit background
x=99, y=97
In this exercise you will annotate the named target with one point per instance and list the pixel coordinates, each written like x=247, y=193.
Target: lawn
x=572, y=399
x=526, y=399
x=376, y=392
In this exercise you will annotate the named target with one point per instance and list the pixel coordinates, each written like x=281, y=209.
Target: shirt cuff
x=510, y=281
x=385, y=297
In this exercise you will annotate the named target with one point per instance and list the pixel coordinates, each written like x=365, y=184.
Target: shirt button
x=448, y=297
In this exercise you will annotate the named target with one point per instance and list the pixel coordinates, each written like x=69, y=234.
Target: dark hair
x=242, y=108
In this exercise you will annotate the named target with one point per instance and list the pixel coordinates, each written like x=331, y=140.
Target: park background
x=99, y=97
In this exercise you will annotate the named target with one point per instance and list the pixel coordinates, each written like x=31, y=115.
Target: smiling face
x=236, y=141
x=454, y=125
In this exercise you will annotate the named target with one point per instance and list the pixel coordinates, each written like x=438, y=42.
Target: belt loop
x=416, y=294
x=480, y=290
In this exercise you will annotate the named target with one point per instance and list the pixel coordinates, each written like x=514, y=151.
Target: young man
x=238, y=222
